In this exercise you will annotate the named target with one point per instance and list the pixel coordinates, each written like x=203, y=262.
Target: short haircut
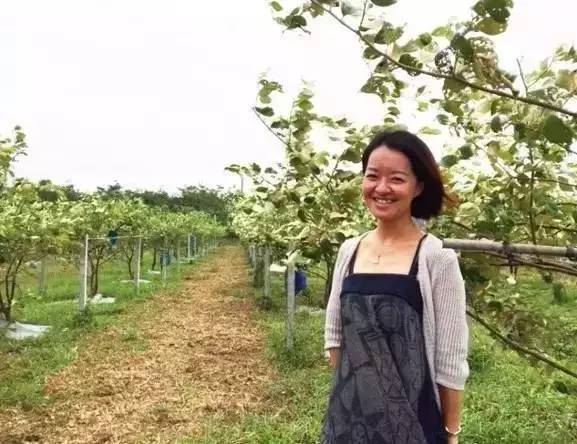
x=430, y=202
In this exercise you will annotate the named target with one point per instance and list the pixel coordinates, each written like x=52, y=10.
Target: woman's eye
x=370, y=176
x=397, y=180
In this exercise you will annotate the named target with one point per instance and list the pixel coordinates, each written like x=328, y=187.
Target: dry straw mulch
x=177, y=359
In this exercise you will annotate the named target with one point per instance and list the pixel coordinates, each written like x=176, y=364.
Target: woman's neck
x=403, y=229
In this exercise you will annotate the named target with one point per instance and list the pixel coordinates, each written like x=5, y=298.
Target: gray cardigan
x=444, y=317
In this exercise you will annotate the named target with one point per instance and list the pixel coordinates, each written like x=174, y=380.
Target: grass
x=507, y=400
x=25, y=364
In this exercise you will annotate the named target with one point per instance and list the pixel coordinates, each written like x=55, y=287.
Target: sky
x=158, y=94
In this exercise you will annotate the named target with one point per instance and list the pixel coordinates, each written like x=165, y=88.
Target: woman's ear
x=419, y=189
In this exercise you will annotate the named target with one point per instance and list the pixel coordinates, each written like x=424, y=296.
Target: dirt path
x=188, y=354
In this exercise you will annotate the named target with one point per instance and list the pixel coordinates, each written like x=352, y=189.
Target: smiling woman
x=396, y=329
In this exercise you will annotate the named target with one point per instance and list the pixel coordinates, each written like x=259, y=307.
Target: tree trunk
x=129, y=260
x=94, y=272
x=330, y=263
x=154, y=252
x=6, y=308
x=9, y=288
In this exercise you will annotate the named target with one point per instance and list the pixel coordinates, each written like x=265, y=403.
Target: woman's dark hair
x=430, y=202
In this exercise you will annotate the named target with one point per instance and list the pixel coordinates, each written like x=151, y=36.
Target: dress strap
x=352, y=260
x=351, y=266
x=415, y=265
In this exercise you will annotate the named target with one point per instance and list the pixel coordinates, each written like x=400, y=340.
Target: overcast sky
x=157, y=94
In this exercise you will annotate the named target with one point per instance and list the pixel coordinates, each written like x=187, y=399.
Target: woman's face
x=389, y=184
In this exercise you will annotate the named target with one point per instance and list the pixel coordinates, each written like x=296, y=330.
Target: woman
x=396, y=327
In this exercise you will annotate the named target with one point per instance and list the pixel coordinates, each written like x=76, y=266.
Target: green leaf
x=351, y=154
x=409, y=60
x=295, y=21
x=500, y=15
x=443, y=119
x=463, y=46
x=384, y=2
x=425, y=39
x=555, y=130
x=490, y=26
x=466, y=151
x=453, y=85
x=453, y=107
x=429, y=131
x=370, y=53
x=566, y=80
x=497, y=9
x=449, y=161
x=494, y=106
x=496, y=125
x=305, y=104
x=276, y=6
x=388, y=34
x=371, y=86
x=266, y=111
x=443, y=31
x=479, y=8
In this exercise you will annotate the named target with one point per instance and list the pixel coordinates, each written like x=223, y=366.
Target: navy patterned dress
x=382, y=390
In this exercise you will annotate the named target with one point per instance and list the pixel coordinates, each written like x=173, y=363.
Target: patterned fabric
x=382, y=391
x=445, y=326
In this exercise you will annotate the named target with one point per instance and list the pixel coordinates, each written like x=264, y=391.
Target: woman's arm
x=333, y=311
x=451, y=408
x=452, y=337
x=334, y=356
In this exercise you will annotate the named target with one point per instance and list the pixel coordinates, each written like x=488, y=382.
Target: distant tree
x=213, y=201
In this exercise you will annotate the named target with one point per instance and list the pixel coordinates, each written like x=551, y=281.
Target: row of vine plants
x=37, y=220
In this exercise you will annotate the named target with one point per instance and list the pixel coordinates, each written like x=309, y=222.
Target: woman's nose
x=383, y=186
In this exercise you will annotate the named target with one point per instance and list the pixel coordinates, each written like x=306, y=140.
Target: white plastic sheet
x=18, y=331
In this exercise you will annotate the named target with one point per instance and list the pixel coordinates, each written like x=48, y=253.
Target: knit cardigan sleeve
x=452, y=332
x=333, y=311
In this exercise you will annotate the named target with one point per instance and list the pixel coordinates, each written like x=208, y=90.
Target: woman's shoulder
x=435, y=253
x=349, y=245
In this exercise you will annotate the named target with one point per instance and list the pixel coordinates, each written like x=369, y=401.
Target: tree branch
x=520, y=348
x=454, y=77
x=522, y=77
x=268, y=127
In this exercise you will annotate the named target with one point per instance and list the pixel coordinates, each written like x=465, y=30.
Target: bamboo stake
x=83, y=296
x=266, y=269
x=290, y=304
x=503, y=247
x=138, y=253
